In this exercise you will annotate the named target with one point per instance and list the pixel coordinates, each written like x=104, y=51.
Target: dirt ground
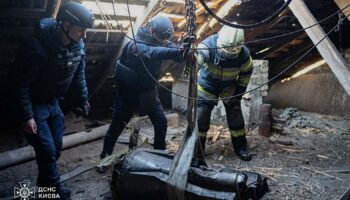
x=307, y=157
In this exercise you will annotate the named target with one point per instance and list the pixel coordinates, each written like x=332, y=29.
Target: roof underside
x=103, y=44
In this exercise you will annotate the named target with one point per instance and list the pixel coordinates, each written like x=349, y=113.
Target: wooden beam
x=173, y=17
x=254, y=33
x=342, y=4
x=173, y=3
x=279, y=45
x=222, y=12
x=114, y=18
x=326, y=48
x=289, y=57
x=140, y=19
x=131, y=2
x=55, y=8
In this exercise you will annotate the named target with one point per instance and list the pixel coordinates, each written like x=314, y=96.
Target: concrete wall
x=321, y=93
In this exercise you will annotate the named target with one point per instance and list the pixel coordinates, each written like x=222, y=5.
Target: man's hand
x=29, y=126
x=83, y=110
x=86, y=109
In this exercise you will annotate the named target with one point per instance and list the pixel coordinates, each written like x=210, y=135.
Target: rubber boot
x=240, y=147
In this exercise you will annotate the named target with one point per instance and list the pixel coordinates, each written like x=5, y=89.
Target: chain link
x=190, y=35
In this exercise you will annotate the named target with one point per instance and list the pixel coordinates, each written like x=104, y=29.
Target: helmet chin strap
x=67, y=35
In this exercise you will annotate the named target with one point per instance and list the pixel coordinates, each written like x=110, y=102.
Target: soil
x=305, y=158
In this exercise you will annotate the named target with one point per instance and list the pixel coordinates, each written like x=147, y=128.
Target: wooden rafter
x=133, y=2
x=326, y=48
x=280, y=45
x=113, y=17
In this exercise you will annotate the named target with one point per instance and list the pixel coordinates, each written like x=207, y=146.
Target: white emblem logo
x=24, y=192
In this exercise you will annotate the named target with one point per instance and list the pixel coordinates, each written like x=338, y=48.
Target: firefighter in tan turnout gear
x=225, y=67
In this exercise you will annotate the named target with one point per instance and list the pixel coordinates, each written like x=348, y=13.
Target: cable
x=246, y=43
x=246, y=26
x=224, y=98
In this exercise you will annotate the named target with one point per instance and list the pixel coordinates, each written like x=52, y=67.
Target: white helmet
x=229, y=41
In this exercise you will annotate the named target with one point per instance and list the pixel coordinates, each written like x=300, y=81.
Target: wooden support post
x=326, y=48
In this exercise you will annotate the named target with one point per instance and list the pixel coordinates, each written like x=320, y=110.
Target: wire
x=233, y=96
x=246, y=43
x=246, y=26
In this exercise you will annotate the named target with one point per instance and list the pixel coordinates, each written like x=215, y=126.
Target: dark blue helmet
x=162, y=27
x=75, y=13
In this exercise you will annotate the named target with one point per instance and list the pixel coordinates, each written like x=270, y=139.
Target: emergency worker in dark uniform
x=225, y=68
x=135, y=88
x=46, y=65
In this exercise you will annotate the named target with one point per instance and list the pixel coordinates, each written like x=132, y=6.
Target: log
x=27, y=153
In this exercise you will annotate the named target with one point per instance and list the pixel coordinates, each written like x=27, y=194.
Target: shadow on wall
x=320, y=93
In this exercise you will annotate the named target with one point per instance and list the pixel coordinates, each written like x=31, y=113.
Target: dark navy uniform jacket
x=44, y=69
x=152, y=53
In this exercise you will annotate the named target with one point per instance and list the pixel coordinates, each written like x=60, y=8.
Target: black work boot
x=240, y=147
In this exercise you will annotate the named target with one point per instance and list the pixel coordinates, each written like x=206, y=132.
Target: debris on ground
x=310, y=160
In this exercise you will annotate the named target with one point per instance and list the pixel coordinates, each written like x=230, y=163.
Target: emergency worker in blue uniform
x=225, y=68
x=46, y=65
x=135, y=88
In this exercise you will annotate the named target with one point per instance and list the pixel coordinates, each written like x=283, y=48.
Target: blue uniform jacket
x=44, y=69
x=152, y=54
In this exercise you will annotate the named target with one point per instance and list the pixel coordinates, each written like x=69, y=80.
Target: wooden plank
x=76, y=172
x=140, y=19
x=281, y=44
x=114, y=18
x=254, y=33
x=345, y=195
x=55, y=7
x=103, y=31
x=326, y=48
x=131, y=2
x=342, y=4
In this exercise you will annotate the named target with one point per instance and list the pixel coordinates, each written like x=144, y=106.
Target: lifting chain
x=190, y=36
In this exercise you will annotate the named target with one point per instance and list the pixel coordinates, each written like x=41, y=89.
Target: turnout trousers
x=235, y=121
